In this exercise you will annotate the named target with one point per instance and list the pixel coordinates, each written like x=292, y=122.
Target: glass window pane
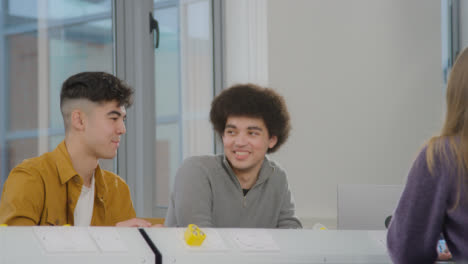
x=21, y=149
x=22, y=55
x=73, y=49
x=74, y=36
x=163, y=1
x=54, y=141
x=25, y=12
x=197, y=77
x=167, y=64
x=184, y=90
x=167, y=160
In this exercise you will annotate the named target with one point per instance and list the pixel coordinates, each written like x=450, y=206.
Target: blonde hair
x=455, y=128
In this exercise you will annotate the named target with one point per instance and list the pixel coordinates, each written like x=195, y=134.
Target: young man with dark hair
x=242, y=187
x=67, y=186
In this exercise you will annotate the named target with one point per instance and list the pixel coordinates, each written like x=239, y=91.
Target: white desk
x=289, y=246
x=126, y=245
x=73, y=245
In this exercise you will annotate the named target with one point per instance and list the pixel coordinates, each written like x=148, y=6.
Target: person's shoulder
x=279, y=172
x=275, y=165
x=199, y=167
x=439, y=150
x=203, y=161
x=436, y=157
x=33, y=171
x=36, y=164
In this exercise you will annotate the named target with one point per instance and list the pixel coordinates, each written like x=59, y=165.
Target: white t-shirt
x=85, y=205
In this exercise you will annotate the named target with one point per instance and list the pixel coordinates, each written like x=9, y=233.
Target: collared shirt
x=45, y=190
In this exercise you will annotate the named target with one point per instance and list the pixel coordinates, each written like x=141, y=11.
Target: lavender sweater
x=425, y=210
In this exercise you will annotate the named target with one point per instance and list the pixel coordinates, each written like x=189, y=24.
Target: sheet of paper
x=212, y=242
x=254, y=240
x=65, y=239
x=108, y=239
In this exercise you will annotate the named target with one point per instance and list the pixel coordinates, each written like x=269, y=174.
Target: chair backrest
x=366, y=206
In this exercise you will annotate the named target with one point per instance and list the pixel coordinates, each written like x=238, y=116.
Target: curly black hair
x=251, y=100
x=97, y=87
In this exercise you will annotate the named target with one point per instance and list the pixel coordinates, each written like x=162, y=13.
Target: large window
x=184, y=89
x=42, y=42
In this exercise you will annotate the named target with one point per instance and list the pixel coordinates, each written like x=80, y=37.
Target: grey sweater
x=426, y=209
x=207, y=193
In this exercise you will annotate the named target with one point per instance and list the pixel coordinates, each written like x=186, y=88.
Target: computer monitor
x=366, y=206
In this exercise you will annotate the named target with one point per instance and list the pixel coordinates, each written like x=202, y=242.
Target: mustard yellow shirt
x=44, y=191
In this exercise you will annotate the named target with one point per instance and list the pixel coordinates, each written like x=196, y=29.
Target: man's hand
x=134, y=222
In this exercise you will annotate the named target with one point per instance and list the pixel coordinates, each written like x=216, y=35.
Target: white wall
x=363, y=83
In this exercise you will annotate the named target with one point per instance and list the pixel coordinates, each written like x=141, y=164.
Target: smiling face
x=246, y=141
x=103, y=126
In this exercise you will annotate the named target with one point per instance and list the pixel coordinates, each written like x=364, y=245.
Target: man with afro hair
x=241, y=187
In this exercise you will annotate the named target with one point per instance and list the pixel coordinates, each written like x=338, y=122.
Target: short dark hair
x=97, y=87
x=251, y=100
